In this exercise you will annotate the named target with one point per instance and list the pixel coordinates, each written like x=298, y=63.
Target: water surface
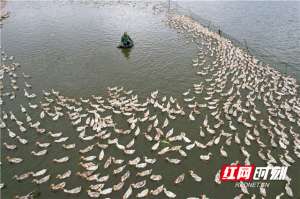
x=71, y=47
x=271, y=29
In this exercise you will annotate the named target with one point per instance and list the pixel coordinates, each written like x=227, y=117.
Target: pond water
x=71, y=47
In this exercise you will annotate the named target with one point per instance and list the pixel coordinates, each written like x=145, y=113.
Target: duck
x=179, y=179
x=173, y=160
x=40, y=153
x=65, y=175
x=39, y=173
x=143, y=193
x=157, y=191
x=75, y=190
x=13, y=160
x=195, y=176
x=192, y=118
x=59, y=186
x=118, y=186
x=42, y=180
x=233, y=128
x=139, y=184
x=279, y=195
x=144, y=173
x=61, y=160
x=23, y=176
x=156, y=177
x=69, y=146
x=10, y=146
x=128, y=192
x=169, y=193
x=223, y=152
x=93, y=194
x=43, y=145
x=205, y=157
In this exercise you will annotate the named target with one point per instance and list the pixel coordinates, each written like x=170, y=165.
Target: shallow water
x=75, y=53
x=80, y=56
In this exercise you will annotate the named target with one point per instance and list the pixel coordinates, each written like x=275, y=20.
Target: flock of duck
x=118, y=143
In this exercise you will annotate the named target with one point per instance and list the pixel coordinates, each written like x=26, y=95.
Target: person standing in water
x=126, y=40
